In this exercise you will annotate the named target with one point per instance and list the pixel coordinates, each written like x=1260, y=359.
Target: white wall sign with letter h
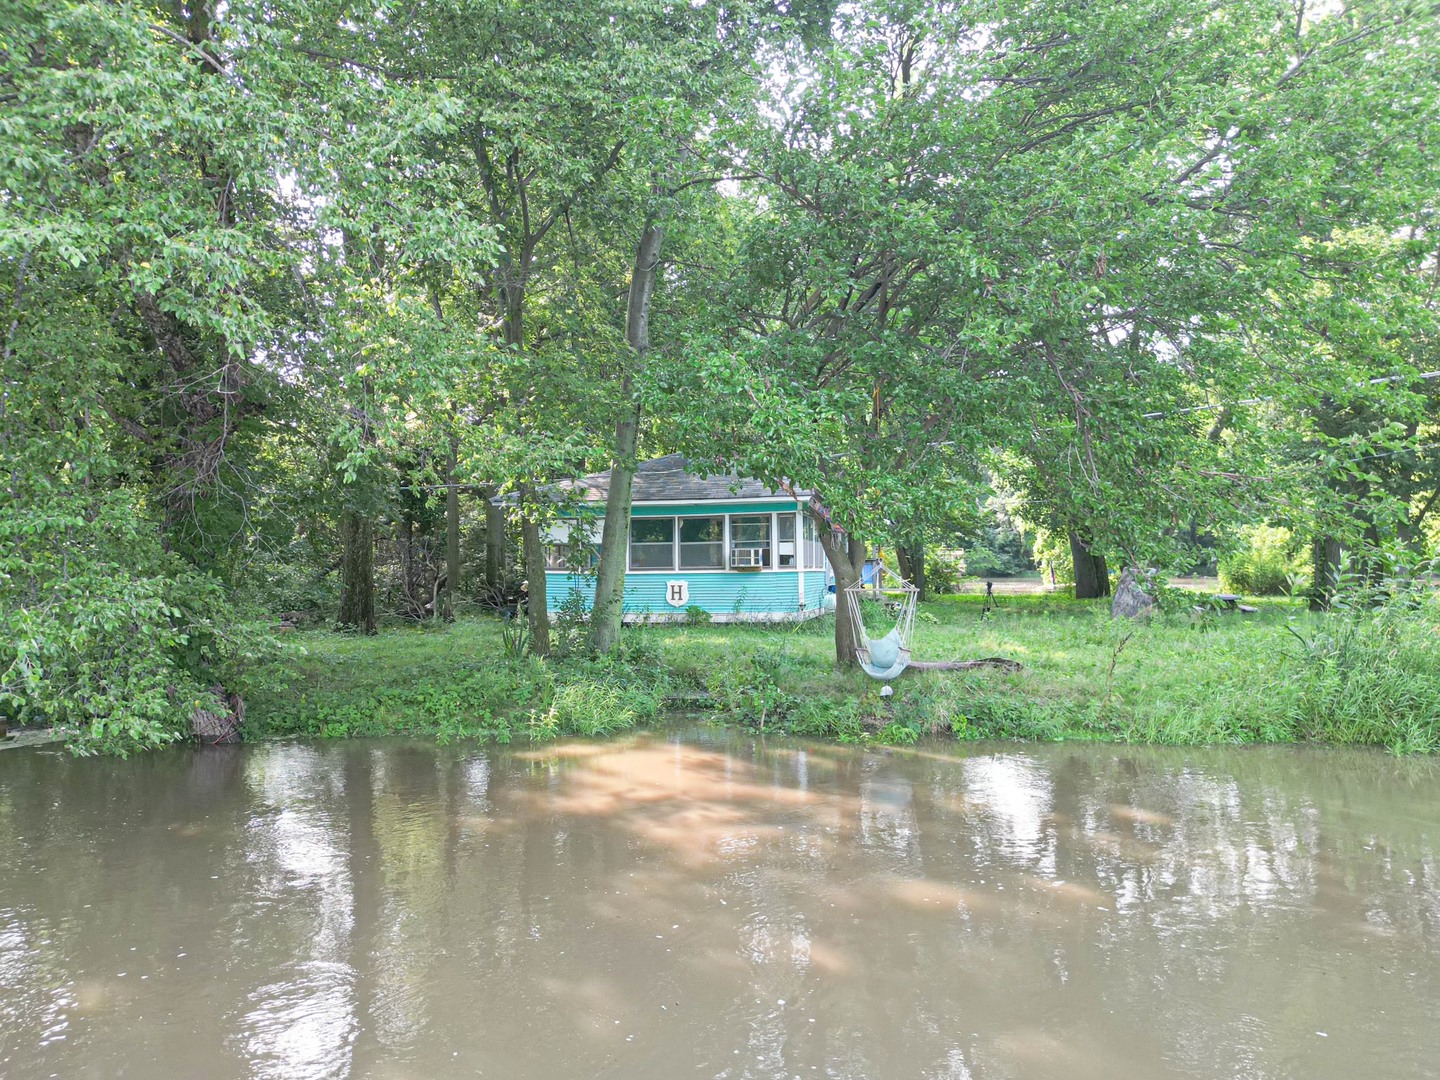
x=677, y=593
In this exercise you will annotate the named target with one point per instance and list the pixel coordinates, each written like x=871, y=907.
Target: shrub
x=103, y=633
x=583, y=709
x=1267, y=562
x=944, y=571
x=291, y=581
x=567, y=632
x=1370, y=671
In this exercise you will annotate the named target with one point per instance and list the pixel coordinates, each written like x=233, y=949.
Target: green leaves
x=256, y=262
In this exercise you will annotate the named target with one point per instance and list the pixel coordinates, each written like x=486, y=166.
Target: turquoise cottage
x=726, y=544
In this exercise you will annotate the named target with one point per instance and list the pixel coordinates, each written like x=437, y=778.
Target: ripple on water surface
x=714, y=904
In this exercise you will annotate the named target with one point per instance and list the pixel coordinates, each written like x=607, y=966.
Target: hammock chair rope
x=883, y=657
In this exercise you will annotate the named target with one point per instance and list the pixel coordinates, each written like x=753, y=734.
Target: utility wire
x=1262, y=400
x=1392, y=453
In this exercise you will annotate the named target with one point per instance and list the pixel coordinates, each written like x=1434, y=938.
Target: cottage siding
x=774, y=593
x=667, y=488
x=816, y=590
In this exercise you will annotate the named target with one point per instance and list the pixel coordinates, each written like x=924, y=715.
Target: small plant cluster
x=591, y=710
x=944, y=572
x=749, y=688
x=572, y=618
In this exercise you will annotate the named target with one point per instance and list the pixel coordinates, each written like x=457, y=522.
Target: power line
x=1262, y=400
x=1392, y=453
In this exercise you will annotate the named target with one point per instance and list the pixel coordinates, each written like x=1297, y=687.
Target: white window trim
x=800, y=563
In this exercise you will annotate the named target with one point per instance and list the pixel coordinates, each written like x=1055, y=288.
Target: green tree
x=156, y=229
x=1046, y=229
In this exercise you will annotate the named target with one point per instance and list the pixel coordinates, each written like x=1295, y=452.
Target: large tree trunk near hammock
x=1092, y=576
x=846, y=556
x=911, y=558
x=1001, y=662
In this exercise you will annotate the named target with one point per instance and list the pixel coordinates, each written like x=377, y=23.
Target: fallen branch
x=967, y=665
x=220, y=723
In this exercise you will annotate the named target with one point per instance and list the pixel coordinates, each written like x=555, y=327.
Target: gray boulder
x=1131, y=599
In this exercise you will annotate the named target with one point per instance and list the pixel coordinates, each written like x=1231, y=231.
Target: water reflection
x=718, y=905
x=298, y=1018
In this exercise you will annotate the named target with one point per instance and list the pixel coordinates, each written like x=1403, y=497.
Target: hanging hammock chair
x=883, y=657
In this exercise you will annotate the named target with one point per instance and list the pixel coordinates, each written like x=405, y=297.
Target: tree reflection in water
x=717, y=904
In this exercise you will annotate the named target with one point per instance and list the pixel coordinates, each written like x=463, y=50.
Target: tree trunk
x=407, y=563
x=1325, y=551
x=537, y=614
x=609, y=606
x=1092, y=577
x=452, y=532
x=357, y=536
x=494, y=543
x=846, y=556
x=911, y=558
x=357, y=572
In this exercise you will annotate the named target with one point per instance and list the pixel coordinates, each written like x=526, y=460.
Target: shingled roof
x=674, y=478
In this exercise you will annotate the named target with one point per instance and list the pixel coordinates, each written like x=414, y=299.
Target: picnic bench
x=1231, y=602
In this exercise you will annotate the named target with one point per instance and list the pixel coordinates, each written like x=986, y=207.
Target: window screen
x=702, y=543
x=652, y=544
x=750, y=540
x=814, y=553
x=786, y=551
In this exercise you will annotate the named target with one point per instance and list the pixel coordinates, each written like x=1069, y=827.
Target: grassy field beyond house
x=1281, y=674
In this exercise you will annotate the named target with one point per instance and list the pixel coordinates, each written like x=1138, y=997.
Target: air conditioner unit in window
x=747, y=558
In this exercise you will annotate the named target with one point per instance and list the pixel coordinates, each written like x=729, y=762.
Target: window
x=814, y=553
x=702, y=543
x=750, y=540
x=652, y=544
x=572, y=558
x=785, y=550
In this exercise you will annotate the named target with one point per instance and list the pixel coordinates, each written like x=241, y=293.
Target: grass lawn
x=1280, y=674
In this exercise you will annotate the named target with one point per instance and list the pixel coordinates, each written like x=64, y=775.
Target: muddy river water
x=711, y=904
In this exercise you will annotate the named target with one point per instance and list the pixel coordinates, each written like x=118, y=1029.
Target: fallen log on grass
x=1000, y=662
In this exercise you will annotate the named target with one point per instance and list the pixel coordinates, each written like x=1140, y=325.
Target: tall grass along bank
x=1368, y=674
